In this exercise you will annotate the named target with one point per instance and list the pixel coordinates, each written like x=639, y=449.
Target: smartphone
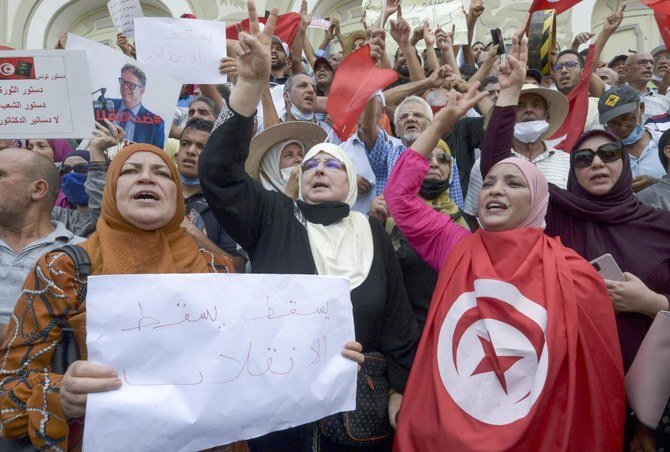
x=497, y=39
x=607, y=267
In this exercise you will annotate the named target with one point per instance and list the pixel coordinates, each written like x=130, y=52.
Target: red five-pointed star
x=494, y=363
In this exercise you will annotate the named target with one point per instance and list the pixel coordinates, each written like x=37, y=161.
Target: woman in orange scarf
x=139, y=232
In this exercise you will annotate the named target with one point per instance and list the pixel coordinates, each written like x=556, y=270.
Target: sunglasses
x=608, y=152
x=329, y=163
x=81, y=168
x=441, y=157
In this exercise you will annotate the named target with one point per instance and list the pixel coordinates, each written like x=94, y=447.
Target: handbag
x=648, y=379
x=66, y=351
x=369, y=423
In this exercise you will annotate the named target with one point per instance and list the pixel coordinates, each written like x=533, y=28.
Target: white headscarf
x=271, y=175
x=344, y=248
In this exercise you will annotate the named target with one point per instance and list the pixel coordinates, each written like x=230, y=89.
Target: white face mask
x=286, y=173
x=300, y=116
x=529, y=132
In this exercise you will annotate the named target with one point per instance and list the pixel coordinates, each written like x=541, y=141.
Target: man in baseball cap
x=621, y=110
x=280, y=61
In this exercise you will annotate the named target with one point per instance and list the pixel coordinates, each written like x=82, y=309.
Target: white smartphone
x=607, y=267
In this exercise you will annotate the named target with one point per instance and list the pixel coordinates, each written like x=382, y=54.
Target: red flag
x=573, y=126
x=520, y=352
x=356, y=80
x=559, y=5
x=659, y=6
x=286, y=27
x=5, y=48
x=663, y=22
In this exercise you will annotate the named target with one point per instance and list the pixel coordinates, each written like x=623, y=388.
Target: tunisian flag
x=573, y=126
x=356, y=80
x=286, y=27
x=559, y=5
x=520, y=352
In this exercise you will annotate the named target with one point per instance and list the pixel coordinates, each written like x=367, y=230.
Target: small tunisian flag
x=573, y=126
x=559, y=5
x=286, y=27
x=520, y=352
x=356, y=80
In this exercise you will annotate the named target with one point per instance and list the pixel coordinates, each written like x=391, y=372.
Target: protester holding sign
x=138, y=232
x=318, y=234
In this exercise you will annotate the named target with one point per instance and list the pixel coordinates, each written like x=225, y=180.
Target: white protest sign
x=44, y=94
x=443, y=14
x=208, y=359
x=319, y=22
x=154, y=99
x=123, y=12
x=189, y=50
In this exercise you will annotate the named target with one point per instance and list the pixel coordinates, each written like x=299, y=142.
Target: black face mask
x=431, y=189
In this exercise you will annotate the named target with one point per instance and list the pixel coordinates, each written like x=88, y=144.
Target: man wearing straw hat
x=540, y=113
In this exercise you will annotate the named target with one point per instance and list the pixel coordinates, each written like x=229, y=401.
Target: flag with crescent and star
x=520, y=352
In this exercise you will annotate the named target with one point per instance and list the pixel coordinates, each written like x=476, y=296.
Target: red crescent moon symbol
x=493, y=308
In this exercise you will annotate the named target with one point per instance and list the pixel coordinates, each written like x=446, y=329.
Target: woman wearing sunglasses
x=317, y=234
x=520, y=331
x=599, y=214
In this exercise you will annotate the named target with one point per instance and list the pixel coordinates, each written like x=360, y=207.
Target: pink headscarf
x=539, y=192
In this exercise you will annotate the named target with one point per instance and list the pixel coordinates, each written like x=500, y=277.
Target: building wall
x=36, y=23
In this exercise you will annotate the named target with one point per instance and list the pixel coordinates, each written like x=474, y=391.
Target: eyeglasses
x=440, y=156
x=329, y=163
x=621, y=123
x=81, y=168
x=416, y=114
x=661, y=58
x=608, y=152
x=132, y=86
x=569, y=65
x=644, y=61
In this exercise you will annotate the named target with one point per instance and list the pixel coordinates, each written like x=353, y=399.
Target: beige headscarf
x=344, y=248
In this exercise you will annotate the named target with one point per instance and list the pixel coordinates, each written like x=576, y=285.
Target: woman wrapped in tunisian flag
x=520, y=348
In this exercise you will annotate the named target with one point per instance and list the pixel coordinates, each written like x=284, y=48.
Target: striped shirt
x=554, y=164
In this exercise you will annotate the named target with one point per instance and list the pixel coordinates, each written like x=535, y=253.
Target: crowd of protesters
x=455, y=209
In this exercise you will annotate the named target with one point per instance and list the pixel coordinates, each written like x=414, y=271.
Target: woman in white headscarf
x=277, y=151
x=317, y=234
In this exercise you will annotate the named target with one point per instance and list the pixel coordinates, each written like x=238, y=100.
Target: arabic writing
x=256, y=362
x=18, y=91
x=123, y=12
x=125, y=116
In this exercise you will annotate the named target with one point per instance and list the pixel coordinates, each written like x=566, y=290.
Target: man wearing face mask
x=540, y=113
x=621, y=111
x=73, y=179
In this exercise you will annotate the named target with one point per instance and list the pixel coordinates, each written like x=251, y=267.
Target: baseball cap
x=277, y=39
x=617, y=101
x=321, y=60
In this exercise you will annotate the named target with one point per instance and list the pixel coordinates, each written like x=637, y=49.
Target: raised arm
x=400, y=31
x=499, y=133
x=238, y=201
x=432, y=234
x=299, y=39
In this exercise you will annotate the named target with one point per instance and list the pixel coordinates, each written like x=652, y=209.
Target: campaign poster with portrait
x=138, y=99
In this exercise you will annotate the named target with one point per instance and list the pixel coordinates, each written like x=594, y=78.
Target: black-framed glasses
x=132, y=86
x=569, y=65
x=441, y=157
x=330, y=163
x=80, y=168
x=608, y=152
